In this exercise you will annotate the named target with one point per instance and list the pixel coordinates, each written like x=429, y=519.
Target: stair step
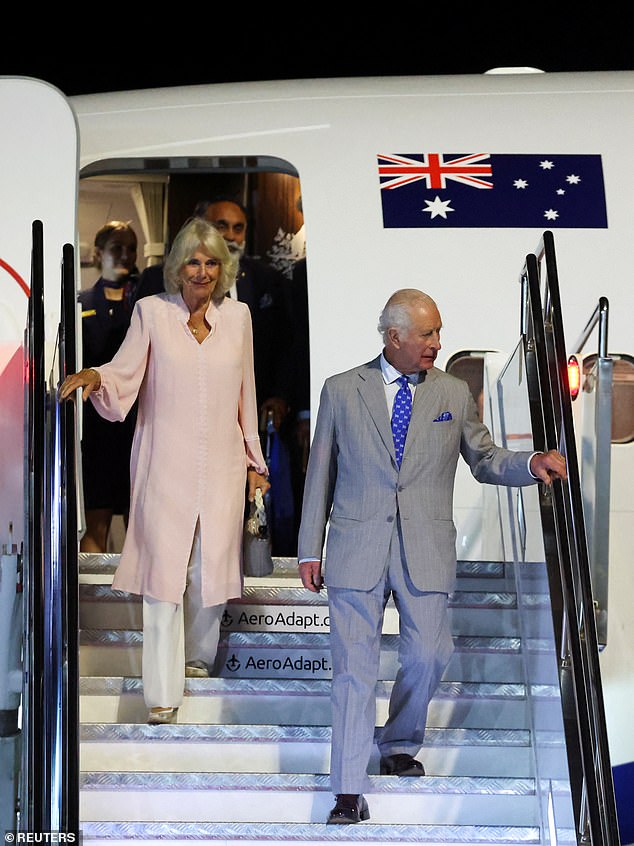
x=289, y=749
x=248, y=758
x=307, y=702
x=293, y=609
x=99, y=568
x=307, y=655
x=315, y=834
x=299, y=798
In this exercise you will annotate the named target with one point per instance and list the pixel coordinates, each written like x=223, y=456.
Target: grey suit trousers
x=425, y=647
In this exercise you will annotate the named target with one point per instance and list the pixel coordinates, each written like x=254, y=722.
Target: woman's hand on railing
x=88, y=380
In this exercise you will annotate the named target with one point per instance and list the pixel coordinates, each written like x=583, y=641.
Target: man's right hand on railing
x=547, y=466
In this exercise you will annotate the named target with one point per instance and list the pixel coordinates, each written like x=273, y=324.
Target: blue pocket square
x=446, y=415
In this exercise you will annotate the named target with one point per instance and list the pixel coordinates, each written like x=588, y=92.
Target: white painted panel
x=38, y=179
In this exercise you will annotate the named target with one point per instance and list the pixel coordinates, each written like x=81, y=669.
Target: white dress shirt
x=390, y=377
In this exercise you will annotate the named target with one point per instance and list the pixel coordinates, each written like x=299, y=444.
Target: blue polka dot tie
x=401, y=413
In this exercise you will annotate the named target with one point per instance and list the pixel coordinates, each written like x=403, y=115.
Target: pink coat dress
x=196, y=434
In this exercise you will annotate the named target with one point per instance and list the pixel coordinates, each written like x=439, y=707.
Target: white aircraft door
x=38, y=181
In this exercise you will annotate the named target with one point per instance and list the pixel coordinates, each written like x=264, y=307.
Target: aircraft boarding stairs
x=516, y=750
x=248, y=758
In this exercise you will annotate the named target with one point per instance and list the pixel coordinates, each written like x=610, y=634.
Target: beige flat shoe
x=196, y=670
x=161, y=716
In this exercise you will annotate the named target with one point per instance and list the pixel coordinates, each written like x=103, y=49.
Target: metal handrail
x=601, y=316
x=67, y=544
x=567, y=556
x=32, y=777
x=596, y=454
x=48, y=791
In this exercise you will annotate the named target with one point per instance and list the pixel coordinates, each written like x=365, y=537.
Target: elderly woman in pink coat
x=188, y=357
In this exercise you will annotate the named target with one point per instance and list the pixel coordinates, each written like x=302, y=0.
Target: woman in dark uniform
x=106, y=311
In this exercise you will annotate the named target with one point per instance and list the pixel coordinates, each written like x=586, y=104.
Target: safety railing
x=595, y=459
x=566, y=553
x=48, y=793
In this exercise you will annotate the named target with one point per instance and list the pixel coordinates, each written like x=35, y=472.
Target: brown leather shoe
x=349, y=808
x=401, y=765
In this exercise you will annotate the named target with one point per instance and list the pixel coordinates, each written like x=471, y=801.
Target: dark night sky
x=452, y=40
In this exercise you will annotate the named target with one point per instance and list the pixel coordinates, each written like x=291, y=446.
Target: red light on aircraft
x=574, y=377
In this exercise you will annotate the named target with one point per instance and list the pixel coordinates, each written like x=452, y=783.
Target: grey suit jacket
x=353, y=481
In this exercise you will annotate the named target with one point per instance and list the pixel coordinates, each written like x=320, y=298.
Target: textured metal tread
x=108, y=562
x=321, y=640
x=117, y=685
x=109, y=685
x=301, y=783
x=176, y=733
x=300, y=640
x=316, y=832
x=290, y=595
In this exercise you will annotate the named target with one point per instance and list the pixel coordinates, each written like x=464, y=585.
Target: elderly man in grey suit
x=385, y=489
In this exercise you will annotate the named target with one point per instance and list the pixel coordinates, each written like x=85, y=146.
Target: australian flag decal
x=492, y=190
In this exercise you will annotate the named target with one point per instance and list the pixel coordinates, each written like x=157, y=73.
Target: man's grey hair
x=397, y=313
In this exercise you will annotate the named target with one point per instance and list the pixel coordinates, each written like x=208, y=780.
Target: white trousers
x=177, y=634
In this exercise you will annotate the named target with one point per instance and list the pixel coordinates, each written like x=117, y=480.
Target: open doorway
x=155, y=197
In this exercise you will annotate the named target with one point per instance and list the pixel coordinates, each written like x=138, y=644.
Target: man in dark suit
x=301, y=396
x=266, y=291
x=386, y=491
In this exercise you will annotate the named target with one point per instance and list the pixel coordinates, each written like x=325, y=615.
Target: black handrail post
x=567, y=559
x=68, y=548
x=32, y=774
x=48, y=793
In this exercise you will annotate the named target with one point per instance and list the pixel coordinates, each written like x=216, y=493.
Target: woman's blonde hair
x=195, y=234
